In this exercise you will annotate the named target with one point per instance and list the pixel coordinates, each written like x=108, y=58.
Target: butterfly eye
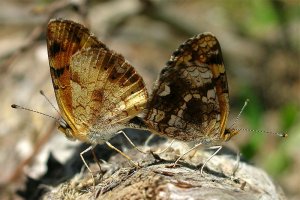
x=229, y=133
x=66, y=129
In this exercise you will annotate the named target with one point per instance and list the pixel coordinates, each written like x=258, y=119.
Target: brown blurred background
x=260, y=43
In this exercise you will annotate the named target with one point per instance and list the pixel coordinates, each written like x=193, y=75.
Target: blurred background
x=260, y=41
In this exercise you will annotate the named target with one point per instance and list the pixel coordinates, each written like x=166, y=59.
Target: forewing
x=106, y=89
x=64, y=39
x=190, y=97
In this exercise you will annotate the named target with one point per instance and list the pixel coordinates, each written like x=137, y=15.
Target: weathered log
x=157, y=179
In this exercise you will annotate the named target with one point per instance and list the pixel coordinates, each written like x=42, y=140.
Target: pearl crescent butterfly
x=190, y=100
x=96, y=89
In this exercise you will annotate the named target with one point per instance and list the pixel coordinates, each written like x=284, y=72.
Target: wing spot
x=97, y=95
x=188, y=97
x=165, y=91
x=55, y=48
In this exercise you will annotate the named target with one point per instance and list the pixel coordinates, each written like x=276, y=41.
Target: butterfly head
x=229, y=133
x=71, y=131
x=66, y=130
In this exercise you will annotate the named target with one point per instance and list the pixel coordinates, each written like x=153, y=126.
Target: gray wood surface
x=156, y=179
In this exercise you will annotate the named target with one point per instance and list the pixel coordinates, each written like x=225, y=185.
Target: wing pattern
x=97, y=91
x=190, y=100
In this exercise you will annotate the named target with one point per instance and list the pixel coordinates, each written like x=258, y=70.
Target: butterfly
x=96, y=89
x=190, y=99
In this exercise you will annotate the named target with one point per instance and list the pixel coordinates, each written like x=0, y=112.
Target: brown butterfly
x=97, y=91
x=190, y=100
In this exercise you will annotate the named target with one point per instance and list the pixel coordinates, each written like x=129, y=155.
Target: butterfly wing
x=64, y=39
x=190, y=99
x=81, y=84
x=107, y=91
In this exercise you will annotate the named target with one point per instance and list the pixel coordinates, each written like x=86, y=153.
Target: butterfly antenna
x=239, y=115
x=251, y=130
x=261, y=131
x=43, y=94
x=28, y=109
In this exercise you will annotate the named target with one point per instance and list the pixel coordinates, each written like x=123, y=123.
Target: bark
x=157, y=179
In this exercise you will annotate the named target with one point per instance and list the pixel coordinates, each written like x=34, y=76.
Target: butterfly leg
x=165, y=149
x=149, y=139
x=123, y=154
x=132, y=144
x=237, y=164
x=83, y=160
x=213, y=147
x=195, y=147
x=162, y=151
x=96, y=159
x=237, y=161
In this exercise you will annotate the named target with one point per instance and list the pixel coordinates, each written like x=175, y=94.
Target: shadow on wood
x=157, y=180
